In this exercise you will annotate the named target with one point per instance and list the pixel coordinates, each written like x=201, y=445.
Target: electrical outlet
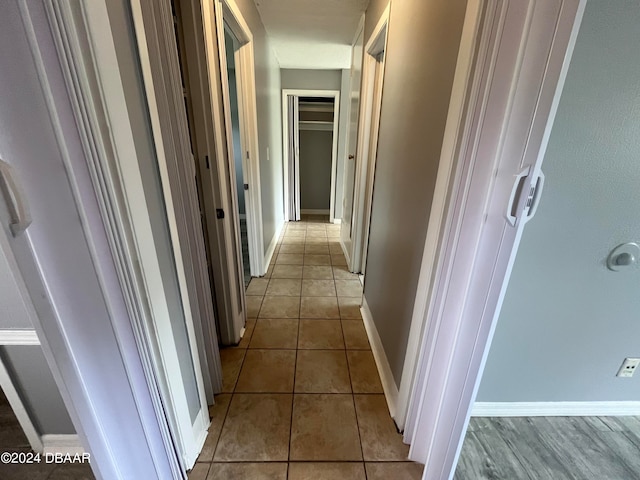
x=628, y=367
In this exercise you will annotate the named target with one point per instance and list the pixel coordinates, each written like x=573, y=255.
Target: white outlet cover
x=628, y=367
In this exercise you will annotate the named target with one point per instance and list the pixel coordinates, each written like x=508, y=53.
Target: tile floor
x=301, y=396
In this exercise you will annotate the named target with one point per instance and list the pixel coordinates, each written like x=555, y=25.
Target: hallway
x=301, y=390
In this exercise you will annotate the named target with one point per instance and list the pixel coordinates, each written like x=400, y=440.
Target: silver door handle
x=16, y=199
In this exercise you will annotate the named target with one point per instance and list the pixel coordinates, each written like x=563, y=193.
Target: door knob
x=623, y=256
x=351, y=157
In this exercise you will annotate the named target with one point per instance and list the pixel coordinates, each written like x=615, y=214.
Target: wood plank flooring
x=551, y=448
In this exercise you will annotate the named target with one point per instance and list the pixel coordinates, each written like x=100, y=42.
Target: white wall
x=567, y=321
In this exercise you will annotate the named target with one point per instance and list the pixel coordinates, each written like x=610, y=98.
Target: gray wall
x=315, y=169
x=415, y=102
x=34, y=382
x=311, y=79
x=269, y=105
x=568, y=322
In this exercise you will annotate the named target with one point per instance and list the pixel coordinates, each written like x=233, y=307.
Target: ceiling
x=312, y=33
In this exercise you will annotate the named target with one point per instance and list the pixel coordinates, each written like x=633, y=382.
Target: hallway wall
x=415, y=102
x=316, y=148
x=268, y=100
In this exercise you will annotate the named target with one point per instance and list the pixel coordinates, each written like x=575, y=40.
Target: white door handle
x=16, y=199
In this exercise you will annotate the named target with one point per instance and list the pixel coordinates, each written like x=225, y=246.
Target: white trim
x=555, y=409
x=19, y=337
x=431, y=256
x=366, y=151
x=272, y=246
x=64, y=444
x=229, y=285
x=248, y=119
x=382, y=363
x=337, y=221
x=335, y=94
x=312, y=211
x=20, y=411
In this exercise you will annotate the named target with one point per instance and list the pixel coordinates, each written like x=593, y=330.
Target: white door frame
x=228, y=12
x=297, y=92
x=367, y=146
x=513, y=80
x=220, y=173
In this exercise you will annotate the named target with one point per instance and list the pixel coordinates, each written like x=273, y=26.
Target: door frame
x=300, y=92
x=228, y=12
x=371, y=90
x=201, y=34
x=461, y=286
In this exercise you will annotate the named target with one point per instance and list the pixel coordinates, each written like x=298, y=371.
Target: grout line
x=224, y=420
x=293, y=395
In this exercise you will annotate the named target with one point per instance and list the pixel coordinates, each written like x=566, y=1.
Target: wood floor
x=551, y=448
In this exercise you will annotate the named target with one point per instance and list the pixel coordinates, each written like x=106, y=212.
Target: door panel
x=352, y=141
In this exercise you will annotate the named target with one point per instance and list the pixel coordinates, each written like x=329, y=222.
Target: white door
x=231, y=331
x=346, y=227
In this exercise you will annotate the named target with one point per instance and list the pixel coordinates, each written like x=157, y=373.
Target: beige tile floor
x=302, y=398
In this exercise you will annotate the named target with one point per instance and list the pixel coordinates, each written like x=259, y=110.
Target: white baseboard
x=62, y=444
x=272, y=247
x=555, y=409
x=314, y=212
x=337, y=221
x=384, y=369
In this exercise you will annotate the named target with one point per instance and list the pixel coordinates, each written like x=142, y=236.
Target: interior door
x=205, y=57
x=232, y=331
x=346, y=229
